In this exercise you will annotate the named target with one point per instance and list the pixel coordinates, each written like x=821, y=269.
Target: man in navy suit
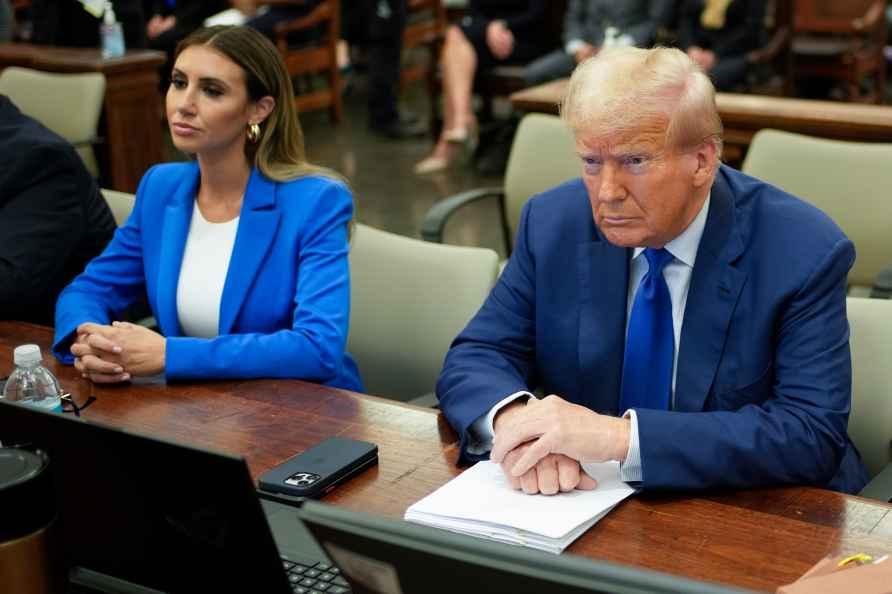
x=681, y=317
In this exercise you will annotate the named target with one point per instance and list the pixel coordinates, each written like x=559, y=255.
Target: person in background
x=6, y=21
x=676, y=319
x=718, y=35
x=170, y=21
x=67, y=23
x=635, y=22
x=494, y=32
x=242, y=252
x=53, y=219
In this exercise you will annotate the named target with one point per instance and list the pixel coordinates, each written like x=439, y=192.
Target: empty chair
x=849, y=181
x=870, y=422
x=310, y=59
x=842, y=41
x=543, y=155
x=67, y=104
x=120, y=203
x=409, y=300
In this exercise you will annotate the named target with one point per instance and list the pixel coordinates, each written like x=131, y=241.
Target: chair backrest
x=67, y=104
x=410, y=298
x=426, y=28
x=870, y=422
x=543, y=155
x=833, y=16
x=120, y=203
x=316, y=57
x=850, y=181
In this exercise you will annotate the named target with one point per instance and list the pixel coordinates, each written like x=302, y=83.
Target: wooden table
x=744, y=115
x=755, y=539
x=131, y=122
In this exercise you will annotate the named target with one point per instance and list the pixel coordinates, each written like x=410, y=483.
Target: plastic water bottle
x=611, y=36
x=31, y=383
x=112, y=34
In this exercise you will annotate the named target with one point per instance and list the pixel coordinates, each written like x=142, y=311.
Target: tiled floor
x=388, y=194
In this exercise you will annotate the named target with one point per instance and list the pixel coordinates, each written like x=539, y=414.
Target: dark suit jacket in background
x=743, y=30
x=763, y=383
x=65, y=22
x=587, y=19
x=53, y=220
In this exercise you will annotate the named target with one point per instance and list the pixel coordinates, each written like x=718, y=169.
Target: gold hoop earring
x=254, y=132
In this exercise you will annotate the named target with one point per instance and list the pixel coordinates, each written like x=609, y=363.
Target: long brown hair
x=279, y=154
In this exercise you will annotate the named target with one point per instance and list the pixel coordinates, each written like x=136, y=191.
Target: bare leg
x=459, y=62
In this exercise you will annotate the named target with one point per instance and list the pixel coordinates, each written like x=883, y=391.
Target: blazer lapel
x=175, y=229
x=715, y=288
x=603, y=287
x=257, y=227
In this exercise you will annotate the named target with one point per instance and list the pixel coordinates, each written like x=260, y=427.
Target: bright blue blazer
x=286, y=299
x=764, y=374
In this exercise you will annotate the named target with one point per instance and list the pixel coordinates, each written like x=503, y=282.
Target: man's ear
x=707, y=162
x=262, y=108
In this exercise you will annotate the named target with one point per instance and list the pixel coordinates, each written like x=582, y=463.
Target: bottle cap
x=27, y=354
x=109, y=16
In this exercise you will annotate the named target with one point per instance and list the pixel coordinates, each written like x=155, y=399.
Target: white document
x=480, y=502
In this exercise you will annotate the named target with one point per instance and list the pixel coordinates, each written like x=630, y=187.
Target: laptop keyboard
x=320, y=578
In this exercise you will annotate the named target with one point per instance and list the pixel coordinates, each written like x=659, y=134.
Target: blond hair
x=279, y=154
x=620, y=89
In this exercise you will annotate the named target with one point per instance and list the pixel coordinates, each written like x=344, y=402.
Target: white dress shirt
x=678, y=278
x=203, y=274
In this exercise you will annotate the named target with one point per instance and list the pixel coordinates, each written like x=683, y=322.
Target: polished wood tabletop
x=757, y=539
x=744, y=115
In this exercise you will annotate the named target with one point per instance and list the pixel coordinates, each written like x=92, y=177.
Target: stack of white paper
x=480, y=502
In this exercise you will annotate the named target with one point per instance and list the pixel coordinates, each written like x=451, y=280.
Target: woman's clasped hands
x=115, y=353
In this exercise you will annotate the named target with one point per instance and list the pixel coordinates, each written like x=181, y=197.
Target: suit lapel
x=603, y=286
x=715, y=288
x=257, y=226
x=175, y=229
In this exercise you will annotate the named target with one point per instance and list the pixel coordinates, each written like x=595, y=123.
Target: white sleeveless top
x=203, y=273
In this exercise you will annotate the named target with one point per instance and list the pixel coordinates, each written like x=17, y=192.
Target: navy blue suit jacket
x=285, y=306
x=764, y=374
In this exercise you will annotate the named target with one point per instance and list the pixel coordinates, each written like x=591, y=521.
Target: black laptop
x=140, y=514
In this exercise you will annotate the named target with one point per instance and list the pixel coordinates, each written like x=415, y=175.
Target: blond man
x=681, y=317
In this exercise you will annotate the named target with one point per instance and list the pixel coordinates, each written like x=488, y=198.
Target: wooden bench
x=744, y=115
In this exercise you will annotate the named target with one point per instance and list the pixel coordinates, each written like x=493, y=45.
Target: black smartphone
x=318, y=470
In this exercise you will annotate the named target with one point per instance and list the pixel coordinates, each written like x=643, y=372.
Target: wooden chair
x=425, y=29
x=768, y=65
x=319, y=56
x=842, y=41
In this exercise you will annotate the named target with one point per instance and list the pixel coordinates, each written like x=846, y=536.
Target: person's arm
x=798, y=436
x=313, y=347
x=495, y=354
x=39, y=227
x=526, y=22
x=112, y=281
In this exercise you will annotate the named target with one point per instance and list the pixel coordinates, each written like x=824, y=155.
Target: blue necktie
x=650, y=342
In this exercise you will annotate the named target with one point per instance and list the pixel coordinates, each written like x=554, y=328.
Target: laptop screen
x=149, y=512
x=396, y=557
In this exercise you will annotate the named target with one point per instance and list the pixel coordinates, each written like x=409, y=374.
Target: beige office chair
x=67, y=104
x=870, y=421
x=543, y=155
x=120, y=203
x=409, y=300
x=850, y=181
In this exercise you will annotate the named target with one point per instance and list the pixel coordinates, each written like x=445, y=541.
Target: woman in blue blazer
x=242, y=252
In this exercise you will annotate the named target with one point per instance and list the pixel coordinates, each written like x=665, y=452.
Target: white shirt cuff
x=630, y=470
x=481, y=431
x=573, y=46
